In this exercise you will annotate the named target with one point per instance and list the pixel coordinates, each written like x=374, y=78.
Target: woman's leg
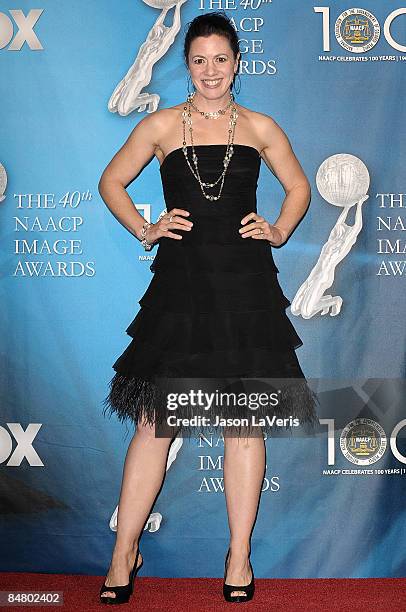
x=143, y=474
x=244, y=471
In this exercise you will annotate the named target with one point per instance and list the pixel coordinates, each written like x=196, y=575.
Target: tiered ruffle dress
x=214, y=312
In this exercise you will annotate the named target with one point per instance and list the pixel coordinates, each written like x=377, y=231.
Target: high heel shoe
x=249, y=589
x=123, y=593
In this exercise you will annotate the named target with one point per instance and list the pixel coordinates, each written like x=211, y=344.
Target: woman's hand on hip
x=172, y=220
x=260, y=229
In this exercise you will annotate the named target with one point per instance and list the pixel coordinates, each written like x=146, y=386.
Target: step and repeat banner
x=75, y=79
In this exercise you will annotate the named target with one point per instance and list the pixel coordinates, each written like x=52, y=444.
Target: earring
x=189, y=80
x=239, y=83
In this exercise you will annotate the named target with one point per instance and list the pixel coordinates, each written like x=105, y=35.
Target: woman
x=214, y=305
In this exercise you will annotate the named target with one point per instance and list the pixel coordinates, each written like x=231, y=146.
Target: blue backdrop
x=71, y=278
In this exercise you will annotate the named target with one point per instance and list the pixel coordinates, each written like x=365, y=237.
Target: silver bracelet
x=147, y=245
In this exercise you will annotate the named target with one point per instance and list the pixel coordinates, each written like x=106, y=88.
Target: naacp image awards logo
x=363, y=441
x=357, y=30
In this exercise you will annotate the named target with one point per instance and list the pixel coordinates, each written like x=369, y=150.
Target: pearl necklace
x=209, y=115
x=187, y=118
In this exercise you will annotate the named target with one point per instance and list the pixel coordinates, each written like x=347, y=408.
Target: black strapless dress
x=214, y=311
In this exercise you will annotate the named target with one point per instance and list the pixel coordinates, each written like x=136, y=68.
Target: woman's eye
x=199, y=60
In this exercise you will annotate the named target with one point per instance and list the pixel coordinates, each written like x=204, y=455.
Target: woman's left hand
x=260, y=229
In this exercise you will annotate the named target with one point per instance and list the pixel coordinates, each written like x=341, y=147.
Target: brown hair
x=216, y=22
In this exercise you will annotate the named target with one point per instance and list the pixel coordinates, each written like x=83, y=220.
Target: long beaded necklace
x=187, y=118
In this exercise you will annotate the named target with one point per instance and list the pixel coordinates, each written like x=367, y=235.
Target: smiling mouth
x=211, y=82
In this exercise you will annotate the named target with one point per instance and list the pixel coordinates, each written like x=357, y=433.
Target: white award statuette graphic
x=127, y=95
x=3, y=182
x=342, y=180
x=154, y=520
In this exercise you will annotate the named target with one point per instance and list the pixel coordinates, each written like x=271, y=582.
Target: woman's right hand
x=173, y=219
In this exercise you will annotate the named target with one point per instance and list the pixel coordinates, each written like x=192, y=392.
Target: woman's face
x=212, y=65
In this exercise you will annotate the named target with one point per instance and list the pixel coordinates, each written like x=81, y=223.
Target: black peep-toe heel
x=123, y=593
x=249, y=589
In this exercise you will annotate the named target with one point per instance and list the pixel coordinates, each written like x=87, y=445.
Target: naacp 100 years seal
x=357, y=30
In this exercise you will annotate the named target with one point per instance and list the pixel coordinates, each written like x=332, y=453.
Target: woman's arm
x=278, y=155
x=126, y=164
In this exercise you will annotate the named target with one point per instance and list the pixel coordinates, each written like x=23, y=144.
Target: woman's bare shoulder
x=267, y=130
x=170, y=112
x=261, y=126
x=162, y=116
x=263, y=121
x=162, y=122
